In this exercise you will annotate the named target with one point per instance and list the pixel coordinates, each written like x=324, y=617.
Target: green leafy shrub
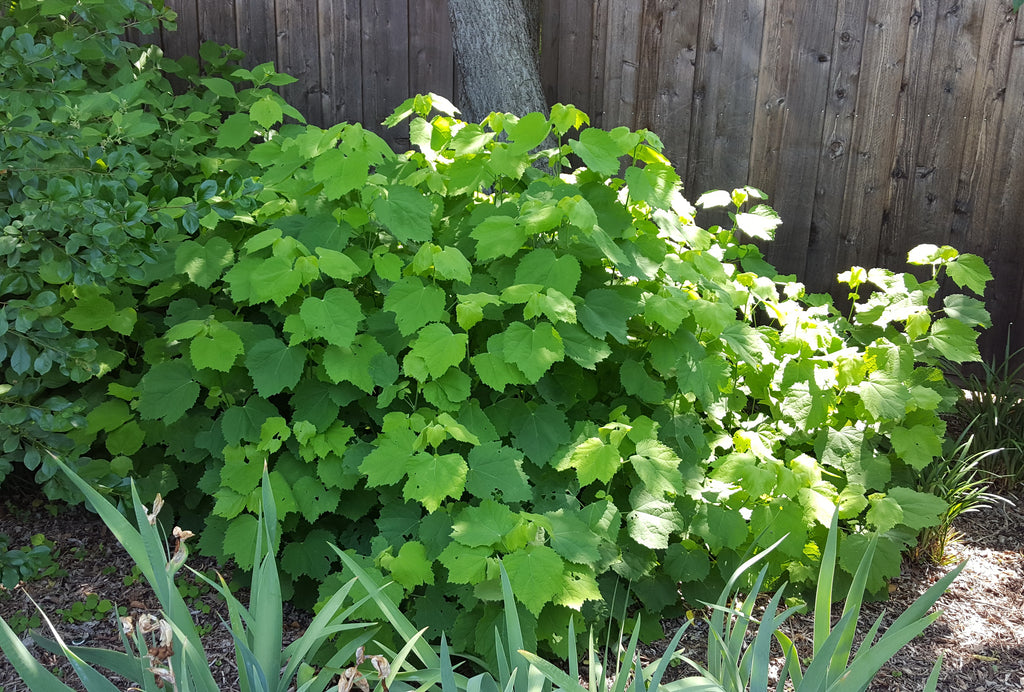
x=104, y=170
x=472, y=352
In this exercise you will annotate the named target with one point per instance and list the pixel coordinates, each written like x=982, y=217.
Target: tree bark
x=496, y=56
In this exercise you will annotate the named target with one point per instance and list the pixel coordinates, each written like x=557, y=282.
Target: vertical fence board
x=184, y=41
x=341, y=61
x=950, y=76
x=574, y=51
x=909, y=116
x=385, y=27
x=834, y=158
x=621, y=61
x=1003, y=223
x=668, y=48
x=599, y=40
x=873, y=139
x=725, y=86
x=550, y=32
x=431, y=59
x=968, y=230
x=298, y=54
x=217, y=22
x=256, y=28
x=789, y=118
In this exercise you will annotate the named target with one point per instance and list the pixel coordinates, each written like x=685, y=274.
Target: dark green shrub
x=104, y=169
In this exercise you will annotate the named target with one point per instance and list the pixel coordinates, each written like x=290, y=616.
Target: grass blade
x=823, y=593
x=403, y=627
x=661, y=665
x=447, y=672
x=31, y=671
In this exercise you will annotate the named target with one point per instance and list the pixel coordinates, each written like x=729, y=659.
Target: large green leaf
x=434, y=350
x=274, y=367
x=593, y=460
x=405, y=212
x=605, y=311
x=954, y=340
x=532, y=351
x=415, y=304
x=536, y=574
x=540, y=433
x=167, y=391
x=498, y=236
x=217, y=349
x=653, y=520
x=335, y=317
x=573, y=539
x=496, y=470
x=598, y=150
x=433, y=477
x=204, y=264
x=720, y=527
x=484, y=525
x=542, y=266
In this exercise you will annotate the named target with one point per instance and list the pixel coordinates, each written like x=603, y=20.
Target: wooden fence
x=874, y=125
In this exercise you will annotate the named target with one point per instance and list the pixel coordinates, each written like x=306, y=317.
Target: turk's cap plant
x=448, y=338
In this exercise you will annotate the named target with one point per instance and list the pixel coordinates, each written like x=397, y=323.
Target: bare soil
x=980, y=635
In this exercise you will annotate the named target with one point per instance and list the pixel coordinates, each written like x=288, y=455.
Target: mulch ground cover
x=980, y=636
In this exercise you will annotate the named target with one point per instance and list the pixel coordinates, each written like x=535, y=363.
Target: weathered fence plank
x=217, y=21
x=790, y=115
x=617, y=102
x=341, y=61
x=835, y=150
x=256, y=26
x=668, y=55
x=385, y=38
x=874, y=135
x=298, y=53
x=725, y=88
x=1003, y=220
x=431, y=59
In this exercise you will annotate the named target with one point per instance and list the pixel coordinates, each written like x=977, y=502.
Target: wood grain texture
x=621, y=64
x=298, y=54
x=950, y=77
x=217, y=22
x=431, y=59
x=981, y=151
x=725, y=89
x=1004, y=221
x=550, y=38
x=791, y=91
x=385, y=68
x=668, y=50
x=874, y=134
x=256, y=28
x=834, y=156
x=184, y=41
x=574, y=51
x=341, y=61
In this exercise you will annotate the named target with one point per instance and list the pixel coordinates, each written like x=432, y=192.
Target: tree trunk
x=496, y=56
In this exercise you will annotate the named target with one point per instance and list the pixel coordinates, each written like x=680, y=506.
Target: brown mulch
x=980, y=636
